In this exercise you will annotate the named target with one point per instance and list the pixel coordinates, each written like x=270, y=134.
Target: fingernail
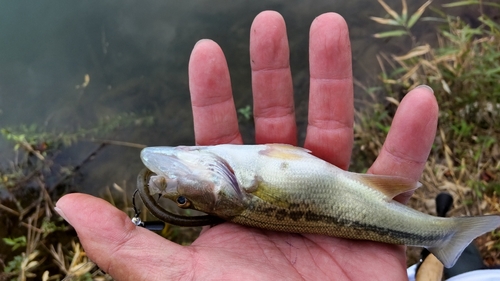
x=61, y=213
x=198, y=42
x=426, y=87
x=201, y=41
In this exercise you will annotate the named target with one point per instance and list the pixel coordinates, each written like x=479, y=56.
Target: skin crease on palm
x=232, y=252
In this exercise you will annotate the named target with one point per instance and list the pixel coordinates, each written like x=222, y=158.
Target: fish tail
x=464, y=230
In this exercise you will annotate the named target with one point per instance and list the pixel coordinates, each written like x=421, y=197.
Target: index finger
x=214, y=113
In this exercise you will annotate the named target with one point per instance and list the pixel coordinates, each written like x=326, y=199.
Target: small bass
x=285, y=188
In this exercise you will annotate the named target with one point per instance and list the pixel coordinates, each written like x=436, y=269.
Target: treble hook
x=159, y=212
x=149, y=225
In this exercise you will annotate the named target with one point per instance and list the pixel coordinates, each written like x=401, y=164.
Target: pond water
x=136, y=55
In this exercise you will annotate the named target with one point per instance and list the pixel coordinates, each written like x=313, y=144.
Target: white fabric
x=476, y=275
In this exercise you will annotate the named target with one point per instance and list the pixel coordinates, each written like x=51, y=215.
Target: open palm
x=232, y=252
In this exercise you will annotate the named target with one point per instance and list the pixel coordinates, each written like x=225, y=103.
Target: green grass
x=463, y=68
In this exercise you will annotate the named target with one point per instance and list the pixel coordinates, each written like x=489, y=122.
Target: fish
x=285, y=188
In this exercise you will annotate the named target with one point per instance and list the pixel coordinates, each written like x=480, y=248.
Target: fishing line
x=159, y=212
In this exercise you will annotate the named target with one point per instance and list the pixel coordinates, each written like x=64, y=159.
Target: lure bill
x=285, y=188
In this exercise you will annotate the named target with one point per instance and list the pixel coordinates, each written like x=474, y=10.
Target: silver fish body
x=285, y=188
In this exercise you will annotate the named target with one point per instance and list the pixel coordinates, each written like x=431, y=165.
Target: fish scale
x=284, y=188
x=336, y=218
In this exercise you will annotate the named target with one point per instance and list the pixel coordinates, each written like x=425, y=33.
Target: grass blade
x=433, y=19
x=394, y=33
x=385, y=21
x=417, y=14
x=389, y=10
x=415, y=52
x=493, y=71
x=404, y=11
x=461, y=3
x=470, y=2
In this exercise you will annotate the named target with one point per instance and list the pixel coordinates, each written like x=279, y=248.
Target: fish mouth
x=164, y=215
x=180, y=162
x=164, y=161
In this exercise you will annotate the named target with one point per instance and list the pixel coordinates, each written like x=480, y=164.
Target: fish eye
x=183, y=202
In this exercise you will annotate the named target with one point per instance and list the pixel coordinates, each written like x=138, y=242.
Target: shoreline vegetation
x=463, y=68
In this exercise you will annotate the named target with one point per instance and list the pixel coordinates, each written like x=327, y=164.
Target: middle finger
x=274, y=112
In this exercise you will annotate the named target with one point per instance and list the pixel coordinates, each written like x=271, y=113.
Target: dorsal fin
x=391, y=186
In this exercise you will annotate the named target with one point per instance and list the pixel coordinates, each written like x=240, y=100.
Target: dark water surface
x=136, y=54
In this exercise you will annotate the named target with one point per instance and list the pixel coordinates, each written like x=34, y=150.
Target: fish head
x=194, y=178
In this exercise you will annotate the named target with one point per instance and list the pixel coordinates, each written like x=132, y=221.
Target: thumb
x=116, y=245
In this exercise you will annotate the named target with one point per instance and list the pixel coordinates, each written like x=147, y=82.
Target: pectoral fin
x=224, y=169
x=391, y=186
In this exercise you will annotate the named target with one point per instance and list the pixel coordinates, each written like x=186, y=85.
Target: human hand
x=229, y=251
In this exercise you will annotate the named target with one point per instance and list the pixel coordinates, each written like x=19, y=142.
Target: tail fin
x=466, y=230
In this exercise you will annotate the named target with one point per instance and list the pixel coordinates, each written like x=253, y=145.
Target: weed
x=402, y=21
x=464, y=70
x=39, y=244
x=15, y=242
x=245, y=114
